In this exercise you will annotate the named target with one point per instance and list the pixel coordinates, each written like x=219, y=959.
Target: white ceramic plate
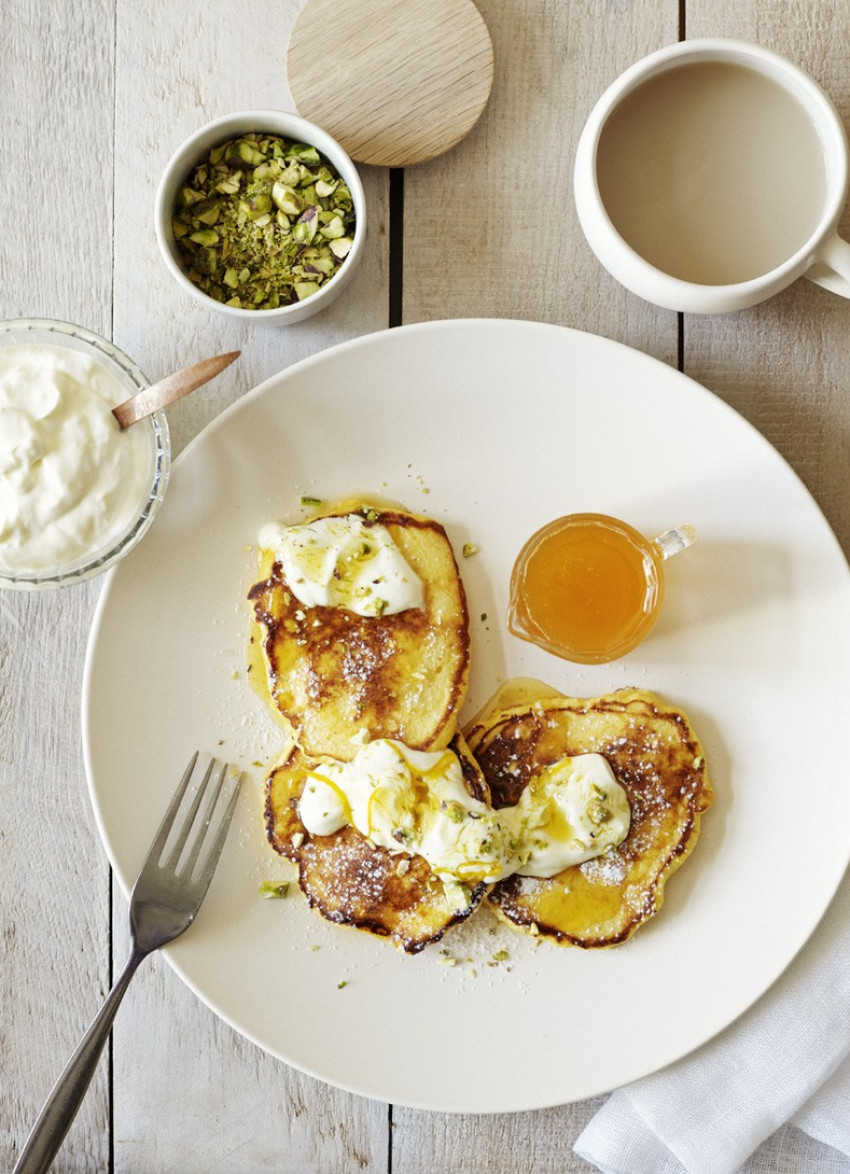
x=494, y=427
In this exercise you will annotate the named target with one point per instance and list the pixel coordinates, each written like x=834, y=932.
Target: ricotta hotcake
x=654, y=755
x=332, y=673
x=352, y=881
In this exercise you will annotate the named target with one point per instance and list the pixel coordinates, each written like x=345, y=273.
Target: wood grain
x=99, y=94
x=397, y=82
x=54, y=879
x=195, y=69
x=784, y=364
x=503, y=199
x=238, y=1108
x=524, y=256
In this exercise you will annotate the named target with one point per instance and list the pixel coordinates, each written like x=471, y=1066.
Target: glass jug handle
x=673, y=541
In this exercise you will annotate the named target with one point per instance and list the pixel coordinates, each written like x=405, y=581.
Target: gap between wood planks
x=396, y=243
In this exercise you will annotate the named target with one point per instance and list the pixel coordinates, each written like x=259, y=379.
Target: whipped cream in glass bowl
x=76, y=492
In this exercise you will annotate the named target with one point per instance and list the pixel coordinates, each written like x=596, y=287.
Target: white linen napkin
x=786, y=1059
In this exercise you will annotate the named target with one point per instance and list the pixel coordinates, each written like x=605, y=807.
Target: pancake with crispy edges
x=332, y=673
x=351, y=881
x=654, y=754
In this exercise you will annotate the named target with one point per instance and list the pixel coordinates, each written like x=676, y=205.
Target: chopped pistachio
x=257, y=207
x=597, y=812
x=454, y=811
x=205, y=236
x=305, y=500
x=469, y=549
x=304, y=229
x=270, y=889
x=243, y=151
x=189, y=196
x=305, y=153
x=208, y=211
x=341, y=984
x=341, y=248
x=287, y=199
x=334, y=229
x=305, y=289
x=284, y=222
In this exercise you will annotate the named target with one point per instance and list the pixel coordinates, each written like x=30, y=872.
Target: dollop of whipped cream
x=342, y=561
x=70, y=479
x=416, y=802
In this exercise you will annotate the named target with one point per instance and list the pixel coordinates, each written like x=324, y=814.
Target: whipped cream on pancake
x=344, y=562
x=416, y=802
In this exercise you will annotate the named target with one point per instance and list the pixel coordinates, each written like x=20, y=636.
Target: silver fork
x=165, y=899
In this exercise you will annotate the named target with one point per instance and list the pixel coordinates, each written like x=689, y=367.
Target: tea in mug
x=712, y=172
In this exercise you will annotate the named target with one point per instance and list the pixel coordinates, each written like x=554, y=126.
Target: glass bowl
x=98, y=558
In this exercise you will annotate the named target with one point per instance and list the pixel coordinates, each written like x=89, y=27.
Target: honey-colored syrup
x=577, y=904
x=586, y=587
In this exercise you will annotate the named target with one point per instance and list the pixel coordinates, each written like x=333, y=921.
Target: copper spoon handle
x=171, y=389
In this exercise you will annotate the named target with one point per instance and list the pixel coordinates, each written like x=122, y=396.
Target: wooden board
x=397, y=82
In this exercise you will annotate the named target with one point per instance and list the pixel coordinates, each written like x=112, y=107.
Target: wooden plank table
x=96, y=96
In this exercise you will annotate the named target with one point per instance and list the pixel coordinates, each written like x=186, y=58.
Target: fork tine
x=211, y=860
x=189, y=820
x=161, y=836
x=206, y=819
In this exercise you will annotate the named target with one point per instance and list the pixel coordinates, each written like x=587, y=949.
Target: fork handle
x=61, y=1106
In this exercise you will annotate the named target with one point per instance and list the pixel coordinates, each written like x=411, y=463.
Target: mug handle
x=832, y=268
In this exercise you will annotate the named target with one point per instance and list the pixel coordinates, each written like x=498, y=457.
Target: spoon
x=172, y=388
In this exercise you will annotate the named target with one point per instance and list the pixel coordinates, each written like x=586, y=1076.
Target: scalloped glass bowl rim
x=54, y=332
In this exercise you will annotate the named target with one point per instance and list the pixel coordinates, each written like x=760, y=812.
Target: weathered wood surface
x=96, y=97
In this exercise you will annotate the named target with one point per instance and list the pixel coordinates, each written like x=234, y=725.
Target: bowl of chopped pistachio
x=261, y=215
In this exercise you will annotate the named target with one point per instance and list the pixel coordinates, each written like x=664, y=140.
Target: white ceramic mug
x=821, y=255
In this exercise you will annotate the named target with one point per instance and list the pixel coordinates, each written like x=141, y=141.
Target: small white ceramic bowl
x=100, y=556
x=231, y=126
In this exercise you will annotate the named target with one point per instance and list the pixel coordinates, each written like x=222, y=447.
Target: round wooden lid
x=396, y=82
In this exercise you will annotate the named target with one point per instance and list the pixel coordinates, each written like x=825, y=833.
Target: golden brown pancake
x=332, y=673
x=350, y=881
x=654, y=754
